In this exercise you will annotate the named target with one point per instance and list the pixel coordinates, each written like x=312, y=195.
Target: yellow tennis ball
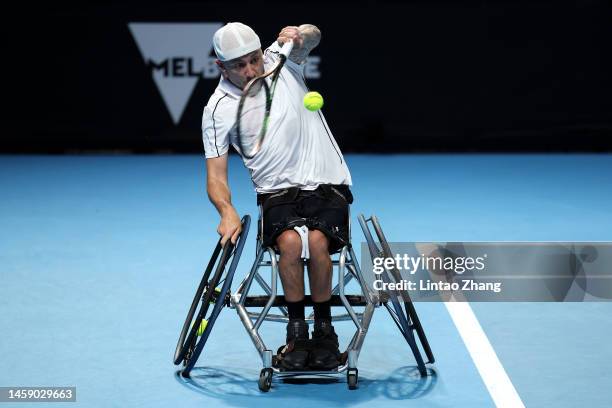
x=202, y=327
x=313, y=101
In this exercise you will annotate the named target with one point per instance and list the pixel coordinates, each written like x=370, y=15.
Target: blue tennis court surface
x=100, y=256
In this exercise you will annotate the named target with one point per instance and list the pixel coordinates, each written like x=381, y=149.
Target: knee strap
x=303, y=232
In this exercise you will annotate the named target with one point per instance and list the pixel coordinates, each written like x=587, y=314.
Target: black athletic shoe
x=294, y=355
x=325, y=354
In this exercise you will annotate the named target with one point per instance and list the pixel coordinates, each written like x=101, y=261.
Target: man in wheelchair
x=306, y=226
x=301, y=178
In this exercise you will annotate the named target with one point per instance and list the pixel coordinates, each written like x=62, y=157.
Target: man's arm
x=219, y=194
x=305, y=37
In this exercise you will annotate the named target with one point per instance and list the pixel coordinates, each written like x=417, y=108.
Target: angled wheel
x=210, y=297
x=405, y=317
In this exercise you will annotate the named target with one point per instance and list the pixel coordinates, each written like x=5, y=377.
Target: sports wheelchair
x=214, y=293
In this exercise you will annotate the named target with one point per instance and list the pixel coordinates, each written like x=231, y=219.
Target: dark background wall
x=396, y=76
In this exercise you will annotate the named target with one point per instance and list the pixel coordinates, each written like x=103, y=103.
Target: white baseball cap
x=234, y=40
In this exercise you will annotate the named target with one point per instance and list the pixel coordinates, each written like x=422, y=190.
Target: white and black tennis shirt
x=299, y=150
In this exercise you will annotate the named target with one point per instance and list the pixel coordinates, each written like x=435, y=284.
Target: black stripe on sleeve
x=214, y=128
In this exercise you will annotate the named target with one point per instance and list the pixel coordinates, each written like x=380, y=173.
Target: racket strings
x=254, y=110
x=252, y=118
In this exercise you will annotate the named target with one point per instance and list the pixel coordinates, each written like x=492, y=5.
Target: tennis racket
x=255, y=105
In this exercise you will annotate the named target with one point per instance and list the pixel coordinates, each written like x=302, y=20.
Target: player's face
x=241, y=70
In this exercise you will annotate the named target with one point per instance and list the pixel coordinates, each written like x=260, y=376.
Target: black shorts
x=325, y=209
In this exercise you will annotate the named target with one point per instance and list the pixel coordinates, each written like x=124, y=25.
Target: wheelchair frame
x=190, y=346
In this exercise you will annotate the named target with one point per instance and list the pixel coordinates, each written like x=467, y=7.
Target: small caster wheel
x=352, y=378
x=265, y=379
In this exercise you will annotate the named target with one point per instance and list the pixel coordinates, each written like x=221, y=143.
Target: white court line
x=490, y=368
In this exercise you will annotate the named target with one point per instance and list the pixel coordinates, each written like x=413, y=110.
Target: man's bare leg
x=291, y=265
x=319, y=267
x=325, y=353
x=295, y=353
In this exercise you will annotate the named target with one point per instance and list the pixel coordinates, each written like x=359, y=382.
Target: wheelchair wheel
x=405, y=318
x=352, y=378
x=265, y=379
x=210, y=297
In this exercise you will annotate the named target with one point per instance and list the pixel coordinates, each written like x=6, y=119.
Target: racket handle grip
x=286, y=48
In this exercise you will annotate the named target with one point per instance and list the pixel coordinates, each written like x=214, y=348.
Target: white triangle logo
x=178, y=55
